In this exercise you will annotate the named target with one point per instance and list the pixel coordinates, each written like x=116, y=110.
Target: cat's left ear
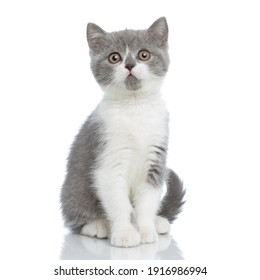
x=96, y=37
x=158, y=32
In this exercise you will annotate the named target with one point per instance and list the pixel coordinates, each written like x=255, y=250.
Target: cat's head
x=129, y=60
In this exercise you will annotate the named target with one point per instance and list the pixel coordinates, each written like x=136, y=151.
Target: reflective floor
x=79, y=247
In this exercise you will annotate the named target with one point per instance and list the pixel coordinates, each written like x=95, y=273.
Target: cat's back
x=87, y=145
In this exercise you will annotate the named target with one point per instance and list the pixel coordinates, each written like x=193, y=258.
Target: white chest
x=131, y=132
x=138, y=125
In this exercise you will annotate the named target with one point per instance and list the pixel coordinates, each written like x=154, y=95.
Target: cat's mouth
x=132, y=83
x=131, y=77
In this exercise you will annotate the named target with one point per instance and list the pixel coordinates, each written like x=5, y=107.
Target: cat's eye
x=114, y=58
x=144, y=55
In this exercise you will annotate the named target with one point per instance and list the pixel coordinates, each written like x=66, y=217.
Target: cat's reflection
x=79, y=247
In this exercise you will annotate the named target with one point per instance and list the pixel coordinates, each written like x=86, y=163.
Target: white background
x=212, y=91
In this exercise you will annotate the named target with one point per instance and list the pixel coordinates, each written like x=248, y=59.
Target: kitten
x=116, y=167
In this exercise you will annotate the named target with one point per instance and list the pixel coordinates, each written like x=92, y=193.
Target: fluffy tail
x=171, y=204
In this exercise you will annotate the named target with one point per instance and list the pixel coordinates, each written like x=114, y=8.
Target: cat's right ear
x=96, y=37
x=158, y=32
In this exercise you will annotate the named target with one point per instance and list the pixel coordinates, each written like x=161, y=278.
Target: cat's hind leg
x=162, y=225
x=98, y=228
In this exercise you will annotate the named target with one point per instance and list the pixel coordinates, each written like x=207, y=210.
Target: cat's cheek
x=142, y=72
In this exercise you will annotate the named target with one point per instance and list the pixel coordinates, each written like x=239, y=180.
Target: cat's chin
x=128, y=89
x=132, y=83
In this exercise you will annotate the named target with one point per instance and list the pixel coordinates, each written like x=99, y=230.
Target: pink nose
x=129, y=66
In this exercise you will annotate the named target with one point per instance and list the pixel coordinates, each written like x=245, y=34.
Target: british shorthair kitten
x=117, y=164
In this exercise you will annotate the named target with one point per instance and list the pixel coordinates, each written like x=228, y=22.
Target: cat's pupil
x=115, y=57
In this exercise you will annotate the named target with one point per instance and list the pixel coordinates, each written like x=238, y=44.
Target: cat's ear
x=96, y=37
x=158, y=32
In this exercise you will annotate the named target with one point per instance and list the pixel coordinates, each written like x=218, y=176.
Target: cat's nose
x=129, y=66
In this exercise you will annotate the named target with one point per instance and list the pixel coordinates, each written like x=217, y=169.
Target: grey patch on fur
x=102, y=43
x=155, y=174
x=132, y=83
x=156, y=171
x=172, y=202
x=133, y=221
x=79, y=201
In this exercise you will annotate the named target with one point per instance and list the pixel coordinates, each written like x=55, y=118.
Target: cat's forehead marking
x=127, y=52
x=127, y=40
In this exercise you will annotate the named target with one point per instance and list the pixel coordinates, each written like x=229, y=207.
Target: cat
x=117, y=164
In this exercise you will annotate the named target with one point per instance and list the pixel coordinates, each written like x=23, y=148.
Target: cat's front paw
x=125, y=238
x=148, y=235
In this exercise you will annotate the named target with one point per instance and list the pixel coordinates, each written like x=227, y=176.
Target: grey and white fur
x=117, y=164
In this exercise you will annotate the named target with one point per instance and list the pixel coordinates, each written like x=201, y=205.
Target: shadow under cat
x=79, y=247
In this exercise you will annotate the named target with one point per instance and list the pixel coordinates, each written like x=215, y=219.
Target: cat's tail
x=171, y=204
